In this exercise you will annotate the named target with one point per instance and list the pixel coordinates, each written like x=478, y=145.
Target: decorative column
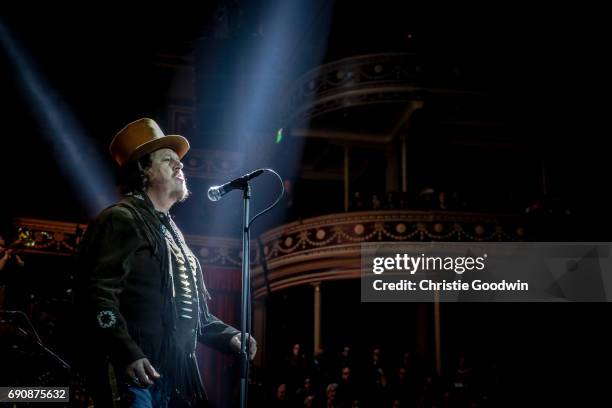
x=392, y=181
x=437, y=333
x=259, y=330
x=346, y=178
x=404, y=165
x=317, y=316
x=423, y=334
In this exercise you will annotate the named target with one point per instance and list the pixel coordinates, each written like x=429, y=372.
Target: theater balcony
x=328, y=247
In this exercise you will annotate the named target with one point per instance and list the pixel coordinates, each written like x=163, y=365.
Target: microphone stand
x=35, y=336
x=245, y=310
x=242, y=183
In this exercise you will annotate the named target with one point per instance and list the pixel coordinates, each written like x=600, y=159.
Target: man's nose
x=178, y=165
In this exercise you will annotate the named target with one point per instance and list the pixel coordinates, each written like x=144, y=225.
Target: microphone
x=216, y=192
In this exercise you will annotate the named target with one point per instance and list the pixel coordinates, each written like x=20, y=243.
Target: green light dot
x=279, y=135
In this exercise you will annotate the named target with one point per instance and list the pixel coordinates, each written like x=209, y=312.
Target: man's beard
x=178, y=193
x=184, y=193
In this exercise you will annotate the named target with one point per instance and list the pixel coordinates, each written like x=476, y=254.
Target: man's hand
x=235, y=345
x=4, y=258
x=19, y=261
x=141, y=372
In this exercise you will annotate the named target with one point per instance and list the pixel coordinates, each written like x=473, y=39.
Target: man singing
x=140, y=293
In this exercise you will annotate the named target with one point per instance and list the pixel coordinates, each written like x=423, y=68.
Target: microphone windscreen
x=214, y=193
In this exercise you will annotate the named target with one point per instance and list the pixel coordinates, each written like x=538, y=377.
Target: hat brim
x=175, y=142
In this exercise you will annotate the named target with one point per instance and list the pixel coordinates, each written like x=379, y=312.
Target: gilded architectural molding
x=367, y=79
x=328, y=247
x=62, y=238
x=314, y=249
x=51, y=237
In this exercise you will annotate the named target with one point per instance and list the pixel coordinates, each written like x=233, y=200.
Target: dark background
x=542, y=67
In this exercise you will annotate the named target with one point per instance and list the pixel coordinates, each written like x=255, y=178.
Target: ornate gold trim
x=328, y=247
x=62, y=238
x=319, y=248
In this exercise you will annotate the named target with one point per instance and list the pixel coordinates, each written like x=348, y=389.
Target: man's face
x=346, y=373
x=166, y=174
x=401, y=373
x=281, y=392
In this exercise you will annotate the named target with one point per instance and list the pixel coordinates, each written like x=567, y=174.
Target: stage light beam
x=77, y=158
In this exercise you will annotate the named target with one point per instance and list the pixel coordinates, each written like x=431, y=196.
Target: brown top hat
x=142, y=137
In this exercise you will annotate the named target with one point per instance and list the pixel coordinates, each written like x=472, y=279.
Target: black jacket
x=126, y=300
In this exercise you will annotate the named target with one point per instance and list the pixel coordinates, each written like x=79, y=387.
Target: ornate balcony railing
x=328, y=247
x=62, y=238
x=314, y=249
x=368, y=79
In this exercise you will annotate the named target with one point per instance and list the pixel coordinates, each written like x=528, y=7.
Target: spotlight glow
x=79, y=162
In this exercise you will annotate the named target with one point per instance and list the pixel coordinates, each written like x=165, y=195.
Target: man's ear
x=145, y=174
